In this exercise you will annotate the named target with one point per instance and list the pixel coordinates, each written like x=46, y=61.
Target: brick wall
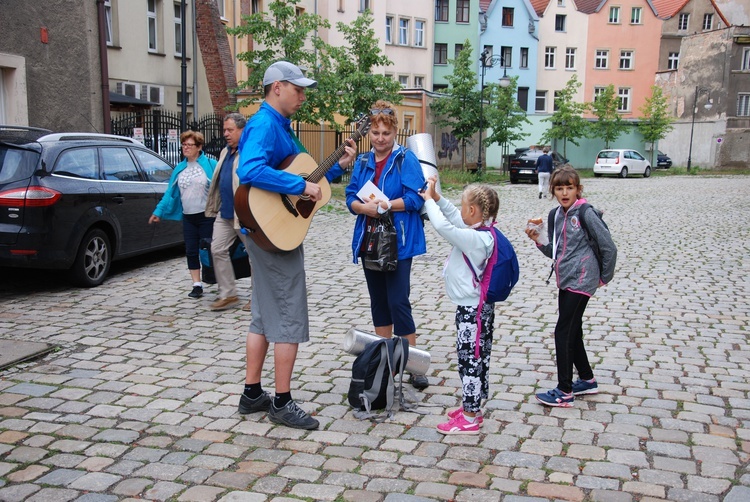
x=217, y=58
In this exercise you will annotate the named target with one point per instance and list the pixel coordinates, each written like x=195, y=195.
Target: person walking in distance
x=279, y=298
x=185, y=199
x=220, y=204
x=544, y=168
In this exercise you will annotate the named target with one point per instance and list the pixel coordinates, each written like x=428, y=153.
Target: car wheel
x=647, y=172
x=624, y=172
x=93, y=260
x=597, y=175
x=513, y=181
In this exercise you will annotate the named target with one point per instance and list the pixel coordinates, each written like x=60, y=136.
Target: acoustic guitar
x=279, y=222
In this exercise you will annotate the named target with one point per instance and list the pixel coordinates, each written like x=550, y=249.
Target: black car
x=523, y=165
x=78, y=201
x=663, y=160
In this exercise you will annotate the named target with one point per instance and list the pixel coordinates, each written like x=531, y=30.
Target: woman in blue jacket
x=185, y=199
x=398, y=174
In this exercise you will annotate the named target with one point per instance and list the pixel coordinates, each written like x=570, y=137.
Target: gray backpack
x=374, y=375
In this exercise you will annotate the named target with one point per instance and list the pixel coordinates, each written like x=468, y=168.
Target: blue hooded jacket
x=401, y=178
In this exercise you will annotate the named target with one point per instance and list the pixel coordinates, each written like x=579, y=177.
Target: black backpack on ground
x=374, y=374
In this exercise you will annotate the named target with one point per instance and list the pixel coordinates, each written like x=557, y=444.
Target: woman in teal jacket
x=185, y=199
x=398, y=174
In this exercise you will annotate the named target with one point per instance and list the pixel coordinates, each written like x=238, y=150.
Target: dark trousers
x=194, y=228
x=569, y=340
x=389, y=298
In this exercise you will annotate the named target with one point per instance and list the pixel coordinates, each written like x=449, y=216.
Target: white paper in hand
x=370, y=192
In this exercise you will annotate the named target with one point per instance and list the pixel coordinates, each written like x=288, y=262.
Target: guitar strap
x=296, y=140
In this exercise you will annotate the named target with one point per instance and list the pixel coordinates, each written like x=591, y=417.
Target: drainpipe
x=106, y=116
x=195, y=67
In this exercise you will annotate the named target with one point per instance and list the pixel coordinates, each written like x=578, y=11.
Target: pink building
x=623, y=50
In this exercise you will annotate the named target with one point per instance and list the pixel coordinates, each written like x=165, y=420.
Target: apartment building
x=455, y=22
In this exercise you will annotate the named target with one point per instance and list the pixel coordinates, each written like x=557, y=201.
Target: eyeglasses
x=191, y=145
x=384, y=111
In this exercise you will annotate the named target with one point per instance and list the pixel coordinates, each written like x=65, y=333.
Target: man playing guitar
x=279, y=295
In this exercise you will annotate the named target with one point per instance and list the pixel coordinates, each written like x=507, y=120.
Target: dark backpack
x=583, y=210
x=373, y=374
x=502, y=271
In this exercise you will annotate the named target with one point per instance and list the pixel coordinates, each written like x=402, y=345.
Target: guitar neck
x=328, y=163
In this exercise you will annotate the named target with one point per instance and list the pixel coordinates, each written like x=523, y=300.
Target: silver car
x=621, y=162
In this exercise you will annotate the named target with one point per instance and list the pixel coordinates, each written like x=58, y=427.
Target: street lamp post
x=707, y=106
x=487, y=61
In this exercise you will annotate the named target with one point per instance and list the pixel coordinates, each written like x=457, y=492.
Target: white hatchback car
x=621, y=162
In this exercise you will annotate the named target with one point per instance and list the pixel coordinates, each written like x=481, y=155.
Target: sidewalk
x=140, y=401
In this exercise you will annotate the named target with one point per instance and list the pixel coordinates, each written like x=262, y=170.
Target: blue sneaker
x=556, y=397
x=582, y=387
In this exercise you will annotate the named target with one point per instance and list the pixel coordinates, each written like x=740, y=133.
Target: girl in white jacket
x=479, y=206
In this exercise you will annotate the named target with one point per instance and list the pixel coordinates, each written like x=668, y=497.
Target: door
x=129, y=199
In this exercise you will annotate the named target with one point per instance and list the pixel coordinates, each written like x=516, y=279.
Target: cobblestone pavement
x=140, y=402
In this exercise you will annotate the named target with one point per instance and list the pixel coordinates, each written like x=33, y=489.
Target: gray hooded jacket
x=576, y=266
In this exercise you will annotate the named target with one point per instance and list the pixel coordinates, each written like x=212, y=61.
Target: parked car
x=663, y=160
x=523, y=165
x=621, y=162
x=78, y=201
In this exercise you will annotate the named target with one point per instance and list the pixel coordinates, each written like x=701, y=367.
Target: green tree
x=356, y=86
x=283, y=35
x=567, y=121
x=656, y=122
x=609, y=125
x=504, y=115
x=459, y=109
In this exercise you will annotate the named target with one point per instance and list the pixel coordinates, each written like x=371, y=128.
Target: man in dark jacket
x=544, y=168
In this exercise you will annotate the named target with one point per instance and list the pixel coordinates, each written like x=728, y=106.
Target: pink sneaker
x=458, y=425
x=458, y=411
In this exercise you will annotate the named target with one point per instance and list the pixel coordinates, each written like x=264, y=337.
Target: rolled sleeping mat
x=421, y=145
x=356, y=340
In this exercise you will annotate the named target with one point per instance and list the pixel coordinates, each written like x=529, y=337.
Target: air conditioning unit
x=129, y=89
x=153, y=93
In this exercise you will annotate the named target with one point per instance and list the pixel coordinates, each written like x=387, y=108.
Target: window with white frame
x=708, y=21
x=108, y=22
x=570, y=58
x=342, y=5
x=257, y=6
x=623, y=93
x=556, y=101
x=626, y=60
x=403, y=80
x=220, y=5
x=462, y=11
x=440, y=54
x=403, y=31
x=419, y=33
x=408, y=121
x=598, y=91
x=152, y=20
x=507, y=54
x=419, y=82
x=540, y=102
x=3, y=113
x=457, y=50
x=745, y=59
x=614, y=15
x=743, y=104
x=601, y=61
x=441, y=10
x=389, y=29
x=561, y=3
x=636, y=15
x=524, y=57
x=178, y=29
x=560, y=22
x=549, y=57
x=673, y=60
x=682, y=22
x=364, y=5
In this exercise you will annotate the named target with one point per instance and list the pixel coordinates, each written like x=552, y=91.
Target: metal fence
x=320, y=140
